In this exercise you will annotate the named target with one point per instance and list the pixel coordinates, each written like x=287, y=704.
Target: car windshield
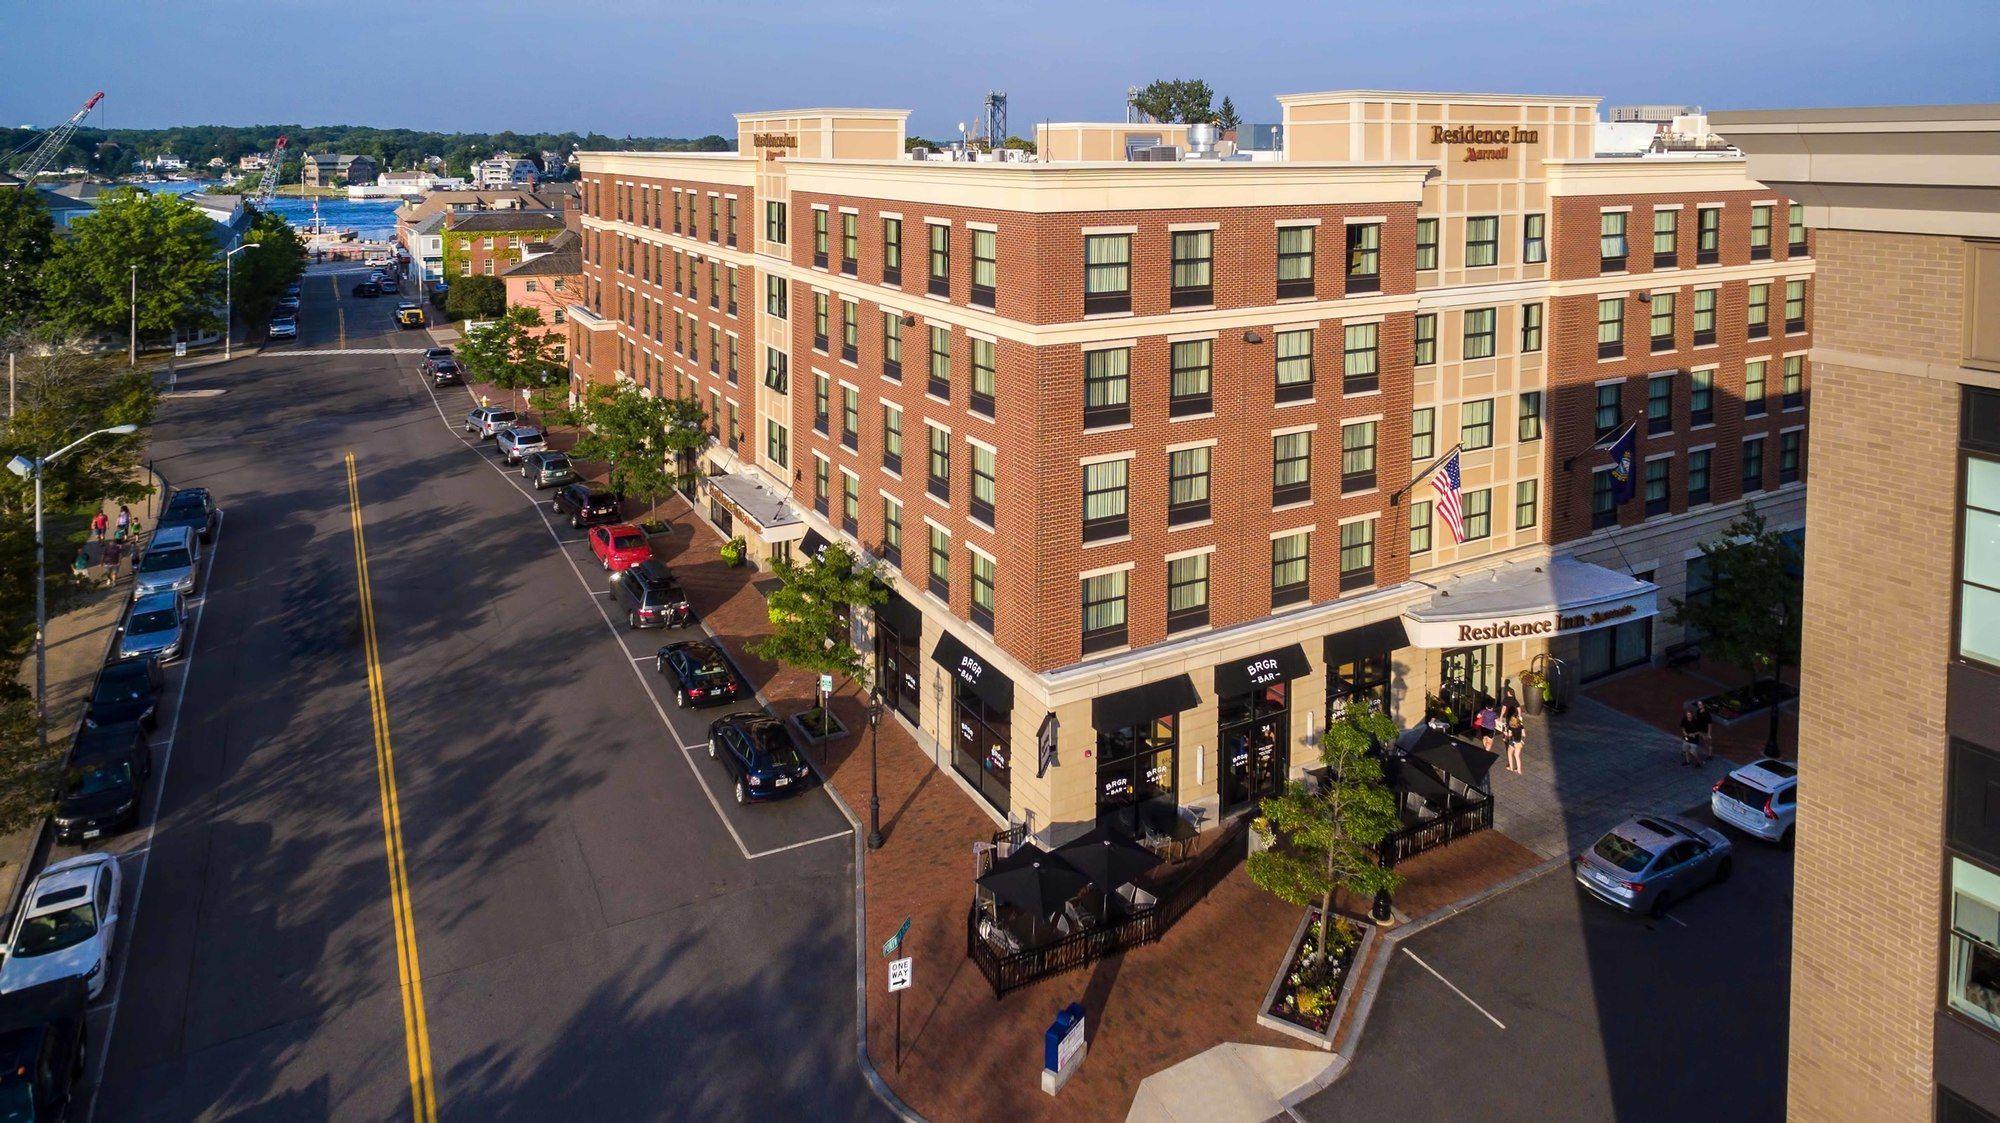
x=157, y=561
x=1622, y=852
x=54, y=931
x=555, y=463
x=627, y=541
x=184, y=506
x=710, y=669
x=121, y=686
x=771, y=748
x=158, y=620
x=102, y=776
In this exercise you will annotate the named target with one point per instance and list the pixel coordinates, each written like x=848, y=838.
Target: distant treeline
x=118, y=151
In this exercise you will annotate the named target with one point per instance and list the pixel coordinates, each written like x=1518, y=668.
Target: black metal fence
x=1462, y=819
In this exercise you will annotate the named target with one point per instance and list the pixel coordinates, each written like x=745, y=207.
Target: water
x=372, y=220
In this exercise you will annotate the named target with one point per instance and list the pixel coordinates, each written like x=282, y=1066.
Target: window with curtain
x=1104, y=499
x=892, y=345
x=1534, y=238
x=985, y=378
x=850, y=242
x=1704, y=317
x=1364, y=257
x=1753, y=465
x=774, y=297
x=1760, y=232
x=1708, y=235
x=1660, y=404
x=1527, y=497
x=1666, y=236
x=1427, y=244
x=1531, y=328
x=1662, y=320
x=1104, y=611
x=940, y=573
x=1357, y=555
x=1187, y=485
x=777, y=444
x=1701, y=397
x=1190, y=390
x=1609, y=407
x=1697, y=484
x=1357, y=457
x=1361, y=356
x=1294, y=365
x=940, y=377
x=1295, y=261
x=820, y=315
x=940, y=259
x=850, y=417
x=1611, y=239
x=850, y=330
x=819, y=237
x=1789, y=447
x=1758, y=314
x=1423, y=433
x=1420, y=527
x=1979, y=562
x=1107, y=387
x=1610, y=327
x=850, y=501
x=1290, y=568
x=1795, y=228
x=984, y=487
x=985, y=266
x=1657, y=497
x=1478, y=512
x=1291, y=468
x=1187, y=592
x=822, y=394
x=1795, y=306
x=983, y=573
x=1424, y=342
x=1753, y=387
x=892, y=251
x=1107, y=273
x=1482, y=241
x=1193, y=268
x=892, y=529
x=892, y=437
x=1475, y=424
x=1481, y=327
x=939, y=483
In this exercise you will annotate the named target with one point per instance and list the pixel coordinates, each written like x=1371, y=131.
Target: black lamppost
x=874, y=777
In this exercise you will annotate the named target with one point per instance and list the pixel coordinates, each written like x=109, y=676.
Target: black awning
x=1367, y=641
x=813, y=544
x=975, y=673
x=1144, y=703
x=1241, y=676
x=900, y=615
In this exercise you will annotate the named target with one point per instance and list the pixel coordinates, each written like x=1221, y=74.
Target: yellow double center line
x=416, y=1029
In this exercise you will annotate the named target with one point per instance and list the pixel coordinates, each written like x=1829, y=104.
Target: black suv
x=368, y=288
x=126, y=690
x=547, y=468
x=585, y=506
x=700, y=673
x=759, y=755
x=42, y=1036
x=651, y=596
x=103, y=782
x=192, y=507
x=444, y=372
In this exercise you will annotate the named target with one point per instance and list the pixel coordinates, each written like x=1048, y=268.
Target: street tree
x=262, y=273
x=61, y=393
x=28, y=772
x=1324, y=841
x=512, y=352
x=1226, y=118
x=810, y=611
x=1751, y=615
x=88, y=281
x=1187, y=101
x=27, y=236
x=641, y=436
x=475, y=298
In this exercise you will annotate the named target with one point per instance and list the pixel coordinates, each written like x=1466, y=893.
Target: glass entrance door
x=1255, y=745
x=898, y=668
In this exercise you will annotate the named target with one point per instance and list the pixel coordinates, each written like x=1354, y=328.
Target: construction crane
x=274, y=170
x=53, y=141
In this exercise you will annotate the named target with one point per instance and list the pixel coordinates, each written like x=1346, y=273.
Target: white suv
x=1760, y=799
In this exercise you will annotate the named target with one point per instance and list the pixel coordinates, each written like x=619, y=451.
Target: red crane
x=52, y=142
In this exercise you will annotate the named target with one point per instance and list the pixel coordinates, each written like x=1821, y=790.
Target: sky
x=682, y=67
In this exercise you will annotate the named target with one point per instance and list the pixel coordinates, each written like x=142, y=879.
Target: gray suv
x=517, y=441
x=488, y=421
x=547, y=469
x=170, y=563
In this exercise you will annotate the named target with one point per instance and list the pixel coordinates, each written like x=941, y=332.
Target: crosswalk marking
x=352, y=351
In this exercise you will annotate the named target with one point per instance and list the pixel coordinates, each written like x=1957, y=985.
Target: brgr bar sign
x=1494, y=140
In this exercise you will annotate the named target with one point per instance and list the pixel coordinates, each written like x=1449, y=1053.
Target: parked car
x=1646, y=863
x=42, y=1046
x=283, y=327
x=444, y=372
x=289, y=305
x=546, y=469
x=376, y=260
x=389, y=284
x=700, y=672
x=619, y=546
x=1760, y=799
x=584, y=505
x=368, y=289
x=293, y=289
x=103, y=782
x=759, y=755
x=516, y=441
x=433, y=353
x=126, y=690
x=66, y=926
x=170, y=564
x=408, y=315
x=154, y=628
x=488, y=421
x=651, y=597
x=192, y=507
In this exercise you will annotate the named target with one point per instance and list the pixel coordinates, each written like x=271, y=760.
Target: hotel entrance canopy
x=1528, y=600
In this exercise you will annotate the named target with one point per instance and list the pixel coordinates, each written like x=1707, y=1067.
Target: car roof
x=32, y=1007
x=697, y=649
x=170, y=536
x=652, y=569
x=60, y=881
x=154, y=602
x=135, y=666
x=1768, y=775
x=189, y=492
x=614, y=528
x=748, y=719
x=94, y=742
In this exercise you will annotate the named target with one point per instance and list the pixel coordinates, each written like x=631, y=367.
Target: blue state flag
x=1624, y=464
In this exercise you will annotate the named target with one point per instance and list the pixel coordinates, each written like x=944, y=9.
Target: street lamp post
x=874, y=778
x=132, y=339
x=24, y=467
x=229, y=297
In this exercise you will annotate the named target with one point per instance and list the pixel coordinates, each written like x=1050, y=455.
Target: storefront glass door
x=1254, y=741
x=898, y=668
x=1136, y=777
x=1470, y=675
x=980, y=750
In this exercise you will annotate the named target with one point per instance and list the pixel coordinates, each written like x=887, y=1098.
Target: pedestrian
x=1517, y=737
x=1510, y=706
x=124, y=521
x=98, y=524
x=1703, y=721
x=1487, y=722
x=81, y=566
x=113, y=553
x=1691, y=732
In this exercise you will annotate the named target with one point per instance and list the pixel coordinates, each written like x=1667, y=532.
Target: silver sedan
x=154, y=628
x=1646, y=863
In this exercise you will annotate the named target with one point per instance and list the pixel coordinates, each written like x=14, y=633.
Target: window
x=1795, y=381
x=821, y=470
x=1420, y=527
x=1611, y=241
x=1187, y=485
x=985, y=377
x=1608, y=408
x=1475, y=424
x=714, y=350
x=850, y=417
x=1423, y=433
x=850, y=331
x=983, y=573
x=714, y=284
x=1660, y=404
x=1482, y=241
x=850, y=242
x=892, y=251
x=1295, y=261
x=731, y=228
x=1357, y=457
x=1361, y=358
x=1529, y=427
x=985, y=267
x=1107, y=273
x=1107, y=387
x=984, y=487
x=1357, y=555
x=1193, y=269
x=1753, y=465
x=819, y=237
x=1708, y=235
x=1759, y=314
x=850, y=502
x=1753, y=388
x=892, y=346
x=1531, y=328
x=1481, y=325
x=939, y=483
x=1789, y=445
x=1534, y=238
x=1603, y=500
x=1979, y=557
x=892, y=529
x=1666, y=237
x=940, y=260
x=1364, y=257
x=1187, y=592
x=1291, y=468
x=1190, y=390
x=1424, y=347
x=714, y=223
x=777, y=444
x=1289, y=568
x=822, y=388
x=1294, y=350
x=1701, y=398
x=940, y=376
x=1104, y=611
x=1610, y=327
x=1795, y=306
x=1760, y=233
x=940, y=577
x=774, y=297
x=1656, y=486
x=819, y=321
x=1973, y=985
x=1427, y=244
x=1478, y=514
x=1527, y=497
x=892, y=437
x=1795, y=230
x=1698, y=490
x=1662, y=319
x=1704, y=317
x=1104, y=499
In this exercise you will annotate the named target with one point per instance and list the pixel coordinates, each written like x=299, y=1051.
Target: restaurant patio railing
x=1464, y=818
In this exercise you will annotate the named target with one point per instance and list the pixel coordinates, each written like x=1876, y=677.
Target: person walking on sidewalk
x=124, y=521
x=98, y=524
x=1703, y=720
x=113, y=553
x=81, y=566
x=1691, y=735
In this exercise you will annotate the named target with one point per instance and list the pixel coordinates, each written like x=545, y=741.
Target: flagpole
x=1420, y=477
x=1615, y=436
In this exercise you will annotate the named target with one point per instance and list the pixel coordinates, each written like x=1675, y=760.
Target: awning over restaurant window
x=900, y=615
x=1367, y=641
x=973, y=672
x=813, y=544
x=1241, y=676
x=1560, y=596
x=763, y=507
x=1145, y=703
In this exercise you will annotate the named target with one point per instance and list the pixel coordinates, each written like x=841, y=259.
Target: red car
x=619, y=546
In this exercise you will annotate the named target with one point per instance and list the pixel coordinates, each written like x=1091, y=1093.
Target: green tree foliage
x=27, y=235
x=87, y=282
x=28, y=775
x=1322, y=842
x=475, y=298
x=1226, y=118
x=62, y=393
x=640, y=435
x=1751, y=615
x=511, y=352
x=1184, y=100
x=261, y=274
x=809, y=612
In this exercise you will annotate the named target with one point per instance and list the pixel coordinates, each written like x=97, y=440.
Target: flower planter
x=1743, y=701
x=1309, y=1009
x=813, y=730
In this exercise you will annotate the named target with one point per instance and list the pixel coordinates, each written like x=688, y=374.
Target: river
x=372, y=220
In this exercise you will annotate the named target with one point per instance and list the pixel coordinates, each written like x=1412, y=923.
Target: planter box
x=811, y=731
x=1277, y=1013
x=1741, y=702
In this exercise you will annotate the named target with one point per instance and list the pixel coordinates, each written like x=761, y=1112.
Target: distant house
x=505, y=169
x=254, y=162
x=547, y=280
x=72, y=201
x=327, y=168
x=487, y=243
x=423, y=240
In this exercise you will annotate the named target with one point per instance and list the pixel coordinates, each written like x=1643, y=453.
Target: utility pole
x=132, y=339
x=10, y=385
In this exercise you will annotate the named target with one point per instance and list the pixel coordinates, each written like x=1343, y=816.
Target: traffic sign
x=826, y=684
x=180, y=349
x=890, y=945
x=900, y=971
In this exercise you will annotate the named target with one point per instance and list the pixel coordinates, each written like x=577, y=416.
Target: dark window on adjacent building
x=1608, y=408
x=1788, y=456
x=1753, y=465
x=1701, y=398
x=1657, y=498
x=850, y=417
x=1698, y=485
x=1603, y=500
x=1660, y=404
x=1364, y=257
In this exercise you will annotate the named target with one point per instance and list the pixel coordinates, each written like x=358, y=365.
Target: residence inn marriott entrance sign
x=1527, y=601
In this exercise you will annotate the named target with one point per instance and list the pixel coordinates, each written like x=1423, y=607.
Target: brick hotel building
x=1136, y=437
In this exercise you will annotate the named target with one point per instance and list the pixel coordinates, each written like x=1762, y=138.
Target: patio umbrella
x=1107, y=859
x=1033, y=880
x=1461, y=760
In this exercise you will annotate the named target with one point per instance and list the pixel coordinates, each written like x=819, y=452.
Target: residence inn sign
x=1557, y=598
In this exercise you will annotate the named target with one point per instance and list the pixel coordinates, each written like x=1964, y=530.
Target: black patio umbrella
x=1033, y=880
x=1107, y=859
x=1461, y=760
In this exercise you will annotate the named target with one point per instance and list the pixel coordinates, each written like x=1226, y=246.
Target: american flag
x=1446, y=481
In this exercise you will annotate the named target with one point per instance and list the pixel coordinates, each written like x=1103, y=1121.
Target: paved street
x=601, y=934
x=1564, y=1008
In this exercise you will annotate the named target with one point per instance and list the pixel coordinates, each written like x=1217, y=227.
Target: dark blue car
x=760, y=756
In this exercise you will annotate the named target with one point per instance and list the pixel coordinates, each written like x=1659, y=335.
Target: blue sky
x=681, y=67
